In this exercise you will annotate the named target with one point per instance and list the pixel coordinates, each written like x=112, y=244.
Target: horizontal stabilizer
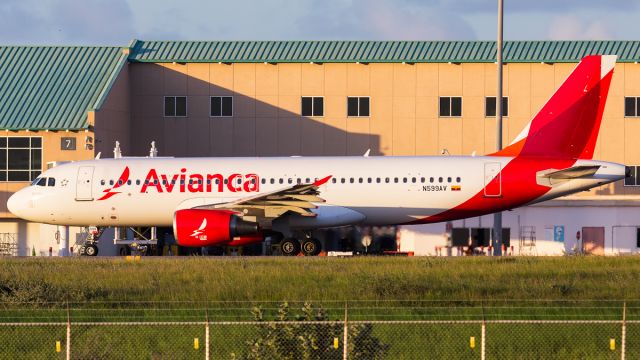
x=573, y=172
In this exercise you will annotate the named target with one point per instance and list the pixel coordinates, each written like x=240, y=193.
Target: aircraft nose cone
x=15, y=204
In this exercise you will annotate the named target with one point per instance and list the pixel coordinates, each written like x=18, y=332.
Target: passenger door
x=84, y=191
x=492, y=179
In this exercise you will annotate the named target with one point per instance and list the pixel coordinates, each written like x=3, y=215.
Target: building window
x=450, y=106
x=221, y=106
x=20, y=158
x=358, y=106
x=632, y=178
x=632, y=106
x=175, y=106
x=490, y=106
x=312, y=106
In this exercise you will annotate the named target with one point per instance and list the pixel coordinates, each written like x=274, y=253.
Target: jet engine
x=195, y=227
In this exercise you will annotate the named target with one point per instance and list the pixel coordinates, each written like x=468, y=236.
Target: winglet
x=322, y=181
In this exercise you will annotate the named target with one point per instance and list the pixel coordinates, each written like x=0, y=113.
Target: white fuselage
x=381, y=190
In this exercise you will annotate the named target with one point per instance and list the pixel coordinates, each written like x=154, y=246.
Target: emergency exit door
x=84, y=190
x=492, y=179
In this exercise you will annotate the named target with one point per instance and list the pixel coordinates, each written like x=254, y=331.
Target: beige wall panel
x=516, y=125
x=632, y=142
x=289, y=77
x=289, y=136
x=381, y=78
x=312, y=137
x=358, y=136
x=266, y=106
x=473, y=106
x=358, y=81
x=244, y=79
x=147, y=79
x=473, y=79
x=198, y=106
x=176, y=136
x=473, y=136
x=267, y=136
x=404, y=80
x=312, y=79
x=403, y=107
x=244, y=136
x=613, y=109
x=147, y=106
x=542, y=81
x=404, y=136
x=427, y=136
x=382, y=124
x=221, y=136
x=335, y=106
x=491, y=78
x=450, y=80
x=561, y=72
x=198, y=133
x=335, y=80
x=619, y=80
x=221, y=79
x=289, y=105
x=426, y=79
x=520, y=90
x=537, y=102
x=335, y=136
x=426, y=107
x=490, y=136
x=613, y=144
x=450, y=132
x=175, y=79
x=266, y=80
x=244, y=106
x=198, y=80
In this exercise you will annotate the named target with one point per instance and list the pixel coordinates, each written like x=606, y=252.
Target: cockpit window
x=51, y=182
x=39, y=181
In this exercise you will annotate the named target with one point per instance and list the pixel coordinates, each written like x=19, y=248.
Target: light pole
x=497, y=217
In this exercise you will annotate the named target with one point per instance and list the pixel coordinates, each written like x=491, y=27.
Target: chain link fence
x=331, y=333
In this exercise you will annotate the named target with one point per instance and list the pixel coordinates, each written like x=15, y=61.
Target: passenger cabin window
x=491, y=108
x=175, y=106
x=450, y=106
x=221, y=106
x=312, y=106
x=358, y=106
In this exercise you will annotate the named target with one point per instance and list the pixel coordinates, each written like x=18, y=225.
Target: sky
x=116, y=22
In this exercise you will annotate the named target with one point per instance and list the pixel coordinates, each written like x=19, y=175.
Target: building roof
x=377, y=51
x=53, y=87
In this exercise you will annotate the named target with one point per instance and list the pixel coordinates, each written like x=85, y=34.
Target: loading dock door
x=593, y=240
x=492, y=179
x=84, y=184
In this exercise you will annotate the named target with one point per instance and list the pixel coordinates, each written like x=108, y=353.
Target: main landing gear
x=292, y=246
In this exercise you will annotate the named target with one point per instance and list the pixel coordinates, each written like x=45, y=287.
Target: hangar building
x=282, y=98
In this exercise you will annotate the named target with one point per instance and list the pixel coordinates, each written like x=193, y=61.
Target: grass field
x=373, y=288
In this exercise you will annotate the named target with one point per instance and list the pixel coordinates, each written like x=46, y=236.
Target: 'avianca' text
x=196, y=183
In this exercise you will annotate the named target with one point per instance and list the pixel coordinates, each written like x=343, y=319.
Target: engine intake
x=194, y=227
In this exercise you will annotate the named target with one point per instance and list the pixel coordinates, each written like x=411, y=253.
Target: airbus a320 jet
x=238, y=201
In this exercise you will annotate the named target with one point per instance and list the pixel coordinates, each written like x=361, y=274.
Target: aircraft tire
x=311, y=247
x=91, y=250
x=290, y=247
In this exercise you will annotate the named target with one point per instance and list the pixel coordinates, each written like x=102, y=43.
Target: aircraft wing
x=299, y=199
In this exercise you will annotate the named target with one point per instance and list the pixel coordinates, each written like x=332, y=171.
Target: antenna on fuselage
x=153, y=152
x=367, y=153
x=117, y=153
x=98, y=156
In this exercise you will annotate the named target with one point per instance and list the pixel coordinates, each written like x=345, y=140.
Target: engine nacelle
x=194, y=227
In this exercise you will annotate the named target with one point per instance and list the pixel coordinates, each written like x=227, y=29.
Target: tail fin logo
x=108, y=193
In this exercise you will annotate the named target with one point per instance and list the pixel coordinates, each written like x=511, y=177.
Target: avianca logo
x=198, y=233
x=193, y=183
x=121, y=181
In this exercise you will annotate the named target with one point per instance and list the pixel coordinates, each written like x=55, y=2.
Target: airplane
x=240, y=201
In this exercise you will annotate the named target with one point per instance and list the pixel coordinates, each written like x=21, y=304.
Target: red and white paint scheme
x=217, y=201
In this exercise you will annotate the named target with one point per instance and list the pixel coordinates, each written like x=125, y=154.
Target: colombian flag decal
x=456, y=188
